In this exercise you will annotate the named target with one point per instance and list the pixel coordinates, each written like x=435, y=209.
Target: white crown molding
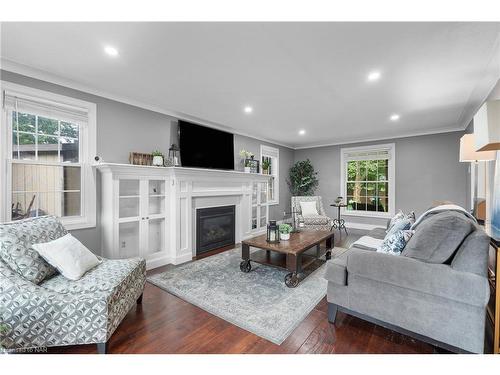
x=15, y=67
x=364, y=140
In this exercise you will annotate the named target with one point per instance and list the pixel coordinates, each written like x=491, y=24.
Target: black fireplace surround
x=215, y=228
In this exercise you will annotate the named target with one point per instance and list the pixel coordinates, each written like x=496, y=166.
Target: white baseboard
x=155, y=263
x=362, y=226
x=182, y=259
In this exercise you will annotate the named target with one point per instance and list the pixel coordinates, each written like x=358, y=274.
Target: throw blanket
x=368, y=242
x=444, y=207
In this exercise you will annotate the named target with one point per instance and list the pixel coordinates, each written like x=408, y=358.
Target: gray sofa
x=41, y=308
x=441, y=303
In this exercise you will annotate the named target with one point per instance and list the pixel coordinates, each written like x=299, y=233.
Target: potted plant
x=247, y=156
x=157, y=158
x=285, y=230
x=303, y=178
x=266, y=163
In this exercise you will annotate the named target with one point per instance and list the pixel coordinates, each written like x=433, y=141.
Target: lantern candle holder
x=273, y=233
x=173, y=155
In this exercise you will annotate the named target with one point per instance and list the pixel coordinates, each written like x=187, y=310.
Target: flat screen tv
x=204, y=147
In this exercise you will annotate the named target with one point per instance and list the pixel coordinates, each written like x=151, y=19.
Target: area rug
x=257, y=301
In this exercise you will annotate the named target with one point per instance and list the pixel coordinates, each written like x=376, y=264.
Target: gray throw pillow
x=438, y=237
x=16, y=240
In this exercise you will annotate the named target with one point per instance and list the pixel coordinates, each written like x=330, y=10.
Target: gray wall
x=427, y=169
x=122, y=128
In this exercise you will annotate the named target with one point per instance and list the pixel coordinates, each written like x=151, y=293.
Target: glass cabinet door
x=129, y=199
x=156, y=197
x=155, y=236
x=128, y=237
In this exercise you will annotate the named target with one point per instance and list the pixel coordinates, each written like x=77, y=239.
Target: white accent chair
x=317, y=222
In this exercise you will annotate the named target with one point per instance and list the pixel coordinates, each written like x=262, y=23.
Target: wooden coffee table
x=289, y=254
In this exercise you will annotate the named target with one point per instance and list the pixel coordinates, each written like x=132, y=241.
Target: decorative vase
x=158, y=161
x=284, y=236
x=247, y=169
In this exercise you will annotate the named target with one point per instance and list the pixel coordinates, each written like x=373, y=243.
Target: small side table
x=339, y=223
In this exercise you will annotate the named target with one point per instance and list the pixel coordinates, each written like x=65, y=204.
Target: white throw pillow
x=308, y=208
x=71, y=258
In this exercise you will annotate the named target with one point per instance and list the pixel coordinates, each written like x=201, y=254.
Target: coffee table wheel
x=245, y=266
x=328, y=255
x=291, y=280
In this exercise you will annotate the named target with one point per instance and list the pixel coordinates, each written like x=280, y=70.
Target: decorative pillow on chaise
x=16, y=240
x=68, y=255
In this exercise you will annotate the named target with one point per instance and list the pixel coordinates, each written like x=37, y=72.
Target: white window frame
x=391, y=175
x=87, y=144
x=273, y=153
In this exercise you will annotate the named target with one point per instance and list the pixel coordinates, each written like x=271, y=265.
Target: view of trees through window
x=367, y=185
x=45, y=172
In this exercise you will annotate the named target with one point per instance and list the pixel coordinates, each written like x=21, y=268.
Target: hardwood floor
x=167, y=324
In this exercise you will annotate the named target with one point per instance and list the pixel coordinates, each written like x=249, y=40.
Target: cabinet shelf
x=128, y=196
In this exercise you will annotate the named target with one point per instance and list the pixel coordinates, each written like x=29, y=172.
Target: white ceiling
x=308, y=76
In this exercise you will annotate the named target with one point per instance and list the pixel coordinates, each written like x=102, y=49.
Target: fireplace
x=215, y=228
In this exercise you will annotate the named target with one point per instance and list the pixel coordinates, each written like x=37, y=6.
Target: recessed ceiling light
x=302, y=132
x=374, y=76
x=248, y=109
x=111, y=51
x=394, y=117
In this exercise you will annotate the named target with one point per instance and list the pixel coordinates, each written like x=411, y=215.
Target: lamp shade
x=468, y=151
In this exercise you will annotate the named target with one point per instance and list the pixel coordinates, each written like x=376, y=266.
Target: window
x=49, y=143
x=271, y=156
x=367, y=180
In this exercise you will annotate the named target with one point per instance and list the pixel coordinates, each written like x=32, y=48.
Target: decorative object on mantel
x=285, y=230
x=173, y=155
x=303, y=179
x=266, y=165
x=246, y=156
x=273, y=234
x=168, y=163
x=253, y=164
x=157, y=158
x=138, y=158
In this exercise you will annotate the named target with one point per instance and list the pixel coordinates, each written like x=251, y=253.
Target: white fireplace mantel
x=186, y=189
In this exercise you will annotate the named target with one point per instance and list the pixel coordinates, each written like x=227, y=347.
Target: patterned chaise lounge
x=41, y=308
